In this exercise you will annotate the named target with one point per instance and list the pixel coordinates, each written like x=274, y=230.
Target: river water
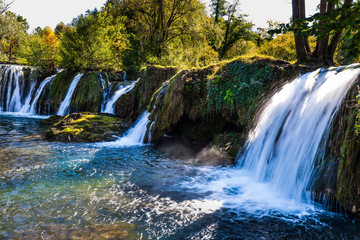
x=85, y=191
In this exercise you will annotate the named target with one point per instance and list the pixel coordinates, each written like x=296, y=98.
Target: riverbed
x=51, y=190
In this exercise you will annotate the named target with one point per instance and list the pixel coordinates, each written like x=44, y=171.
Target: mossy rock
x=85, y=127
x=132, y=104
x=227, y=93
x=337, y=172
x=88, y=95
x=58, y=89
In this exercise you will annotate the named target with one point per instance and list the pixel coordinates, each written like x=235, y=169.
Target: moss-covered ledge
x=201, y=104
x=84, y=127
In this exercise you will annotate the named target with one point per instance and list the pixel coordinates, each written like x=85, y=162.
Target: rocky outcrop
x=85, y=127
x=88, y=95
x=132, y=104
x=337, y=174
x=200, y=104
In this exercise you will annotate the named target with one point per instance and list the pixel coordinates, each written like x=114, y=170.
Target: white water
x=38, y=93
x=134, y=136
x=110, y=105
x=106, y=88
x=281, y=149
x=14, y=96
x=64, y=106
x=276, y=166
x=16, y=92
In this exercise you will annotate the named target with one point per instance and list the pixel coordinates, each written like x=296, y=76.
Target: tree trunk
x=298, y=8
x=10, y=53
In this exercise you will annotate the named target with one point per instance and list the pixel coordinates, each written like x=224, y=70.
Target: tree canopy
x=128, y=34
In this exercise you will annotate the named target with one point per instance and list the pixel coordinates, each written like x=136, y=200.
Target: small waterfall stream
x=64, y=106
x=274, y=168
x=134, y=136
x=16, y=92
x=38, y=93
x=110, y=104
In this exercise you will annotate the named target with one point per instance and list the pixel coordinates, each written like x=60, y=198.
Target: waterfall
x=134, y=136
x=64, y=106
x=38, y=93
x=106, y=89
x=109, y=107
x=16, y=92
x=281, y=149
x=26, y=107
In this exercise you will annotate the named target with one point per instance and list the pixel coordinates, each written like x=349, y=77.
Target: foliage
x=12, y=33
x=41, y=50
x=283, y=47
x=95, y=41
x=230, y=27
x=335, y=22
x=357, y=122
x=237, y=85
x=164, y=32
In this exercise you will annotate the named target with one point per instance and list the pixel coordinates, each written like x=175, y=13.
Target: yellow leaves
x=49, y=37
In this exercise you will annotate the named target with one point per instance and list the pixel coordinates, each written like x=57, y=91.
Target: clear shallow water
x=86, y=191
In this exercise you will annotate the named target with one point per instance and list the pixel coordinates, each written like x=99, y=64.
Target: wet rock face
x=88, y=95
x=85, y=127
x=337, y=175
x=132, y=104
x=200, y=104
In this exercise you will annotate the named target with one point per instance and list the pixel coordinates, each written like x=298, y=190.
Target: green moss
x=59, y=88
x=230, y=91
x=88, y=95
x=86, y=127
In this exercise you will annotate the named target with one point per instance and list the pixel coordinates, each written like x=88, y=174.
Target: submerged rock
x=85, y=127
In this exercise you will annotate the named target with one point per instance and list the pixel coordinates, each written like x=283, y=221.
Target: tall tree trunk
x=217, y=11
x=298, y=8
x=320, y=53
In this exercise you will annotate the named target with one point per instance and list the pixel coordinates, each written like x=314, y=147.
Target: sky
x=50, y=12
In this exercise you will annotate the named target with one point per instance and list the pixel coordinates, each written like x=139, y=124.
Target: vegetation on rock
x=201, y=103
x=85, y=127
x=132, y=104
x=337, y=174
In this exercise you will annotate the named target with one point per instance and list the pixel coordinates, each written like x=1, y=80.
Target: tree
x=154, y=25
x=41, y=50
x=328, y=26
x=232, y=25
x=219, y=9
x=94, y=42
x=12, y=32
x=4, y=6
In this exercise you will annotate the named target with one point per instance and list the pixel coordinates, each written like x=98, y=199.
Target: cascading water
x=135, y=136
x=64, y=106
x=32, y=108
x=276, y=164
x=106, y=90
x=109, y=107
x=282, y=148
x=16, y=92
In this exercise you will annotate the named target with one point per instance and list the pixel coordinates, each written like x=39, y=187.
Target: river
x=54, y=190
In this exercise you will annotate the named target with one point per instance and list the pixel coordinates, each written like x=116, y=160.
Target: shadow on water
x=72, y=191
